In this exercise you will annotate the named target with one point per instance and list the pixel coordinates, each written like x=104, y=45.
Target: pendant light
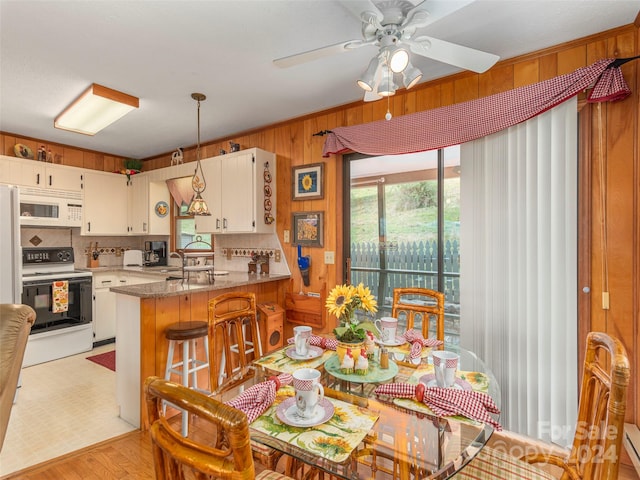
x=198, y=206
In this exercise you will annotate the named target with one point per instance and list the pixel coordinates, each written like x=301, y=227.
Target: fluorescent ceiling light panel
x=97, y=108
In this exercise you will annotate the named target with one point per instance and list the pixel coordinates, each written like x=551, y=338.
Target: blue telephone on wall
x=303, y=264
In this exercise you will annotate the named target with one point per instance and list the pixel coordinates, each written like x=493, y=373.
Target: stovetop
x=49, y=263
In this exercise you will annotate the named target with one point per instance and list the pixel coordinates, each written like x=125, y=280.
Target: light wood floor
x=125, y=457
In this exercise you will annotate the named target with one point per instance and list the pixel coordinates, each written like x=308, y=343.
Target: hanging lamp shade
x=198, y=205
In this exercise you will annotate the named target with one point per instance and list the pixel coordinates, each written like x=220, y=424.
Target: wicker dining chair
x=234, y=342
x=222, y=450
x=597, y=444
x=419, y=306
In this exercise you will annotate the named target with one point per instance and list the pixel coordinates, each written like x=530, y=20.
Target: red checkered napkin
x=447, y=401
x=417, y=342
x=255, y=400
x=318, y=341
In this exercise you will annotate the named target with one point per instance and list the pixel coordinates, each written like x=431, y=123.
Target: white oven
x=50, y=208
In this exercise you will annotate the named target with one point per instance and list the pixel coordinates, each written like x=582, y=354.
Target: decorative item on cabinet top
x=22, y=151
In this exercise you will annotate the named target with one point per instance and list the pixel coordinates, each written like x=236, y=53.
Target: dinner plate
x=287, y=413
x=312, y=352
x=220, y=272
x=429, y=380
x=392, y=343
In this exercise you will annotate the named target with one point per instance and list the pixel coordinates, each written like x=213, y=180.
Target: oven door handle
x=42, y=283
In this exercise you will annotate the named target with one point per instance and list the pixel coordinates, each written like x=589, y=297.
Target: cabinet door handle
x=88, y=226
x=217, y=224
x=37, y=179
x=224, y=223
x=50, y=180
x=144, y=226
x=104, y=282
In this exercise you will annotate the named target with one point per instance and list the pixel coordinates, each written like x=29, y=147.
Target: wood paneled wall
x=613, y=138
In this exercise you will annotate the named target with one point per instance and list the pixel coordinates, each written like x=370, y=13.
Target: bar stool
x=186, y=333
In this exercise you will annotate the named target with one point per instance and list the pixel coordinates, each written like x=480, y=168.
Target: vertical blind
x=518, y=281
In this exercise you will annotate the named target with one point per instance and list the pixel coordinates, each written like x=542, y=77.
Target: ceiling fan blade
x=356, y=7
x=437, y=9
x=315, y=54
x=453, y=54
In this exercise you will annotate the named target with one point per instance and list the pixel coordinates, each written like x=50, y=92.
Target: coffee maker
x=155, y=254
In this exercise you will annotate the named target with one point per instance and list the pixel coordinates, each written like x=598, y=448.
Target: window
x=184, y=226
x=402, y=226
x=185, y=231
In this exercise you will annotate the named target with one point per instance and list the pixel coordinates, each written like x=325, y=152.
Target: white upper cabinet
x=31, y=173
x=105, y=204
x=235, y=193
x=138, y=205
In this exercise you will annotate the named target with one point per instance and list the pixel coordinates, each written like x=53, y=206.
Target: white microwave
x=50, y=208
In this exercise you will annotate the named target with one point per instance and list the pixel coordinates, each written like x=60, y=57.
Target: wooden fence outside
x=411, y=264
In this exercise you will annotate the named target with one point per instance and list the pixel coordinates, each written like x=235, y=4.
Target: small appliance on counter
x=133, y=258
x=155, y=254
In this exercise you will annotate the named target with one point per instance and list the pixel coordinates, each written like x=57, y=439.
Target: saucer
x=429, y=380
x=391, y=343
x=312, y=352
x=287, y=413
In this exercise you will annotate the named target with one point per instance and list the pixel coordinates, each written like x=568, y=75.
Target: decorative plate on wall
x=22, y=151
x=162, y=209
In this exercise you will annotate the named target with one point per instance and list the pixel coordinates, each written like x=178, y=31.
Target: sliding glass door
x=402, y=225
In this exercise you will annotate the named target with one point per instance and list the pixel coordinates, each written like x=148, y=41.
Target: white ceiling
x=162, y=51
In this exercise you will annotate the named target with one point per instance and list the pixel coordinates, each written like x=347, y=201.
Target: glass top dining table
x=366, y=432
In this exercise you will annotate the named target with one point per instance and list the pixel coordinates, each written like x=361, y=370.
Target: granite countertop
x=171, y=288
x=150, y=271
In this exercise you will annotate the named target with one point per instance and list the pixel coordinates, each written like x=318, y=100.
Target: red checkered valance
x=463, y=122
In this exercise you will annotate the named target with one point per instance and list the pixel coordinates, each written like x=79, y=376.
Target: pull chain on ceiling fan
x=390, y=25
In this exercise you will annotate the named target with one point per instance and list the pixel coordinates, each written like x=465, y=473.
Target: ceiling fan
x=391, y=25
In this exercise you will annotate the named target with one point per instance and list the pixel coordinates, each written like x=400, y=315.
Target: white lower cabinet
x=104, y=301
x=104, y=305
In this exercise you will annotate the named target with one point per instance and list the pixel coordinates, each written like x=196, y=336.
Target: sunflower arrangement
x=343, y=301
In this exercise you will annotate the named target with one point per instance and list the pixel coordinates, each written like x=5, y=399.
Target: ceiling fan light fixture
x=368, y=78
x=398, y=59
x=411, y=76
x=387, y=86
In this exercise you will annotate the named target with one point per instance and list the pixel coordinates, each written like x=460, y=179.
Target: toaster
x=133, y=258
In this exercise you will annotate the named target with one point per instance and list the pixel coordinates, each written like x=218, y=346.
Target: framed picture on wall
x=308, y=228
x=308, y=181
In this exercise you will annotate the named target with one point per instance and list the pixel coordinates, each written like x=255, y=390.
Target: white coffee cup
x=387, y=326
x=309, y=391
x=445, y=365
x=301, y=338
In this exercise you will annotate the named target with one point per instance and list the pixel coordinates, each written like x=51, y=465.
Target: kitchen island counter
x=170, y=288
x=143, y=313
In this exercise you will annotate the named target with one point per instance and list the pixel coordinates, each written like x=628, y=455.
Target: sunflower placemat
x=474, y=380
x=334, y=439
x=278, y=361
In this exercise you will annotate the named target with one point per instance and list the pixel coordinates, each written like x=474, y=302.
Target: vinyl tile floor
x=62, y=406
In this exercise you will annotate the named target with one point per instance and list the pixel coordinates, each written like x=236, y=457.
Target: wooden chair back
x=597, y=444
x=419, y=305
x=177, y=457
x=16, y=321
x=234, y=340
